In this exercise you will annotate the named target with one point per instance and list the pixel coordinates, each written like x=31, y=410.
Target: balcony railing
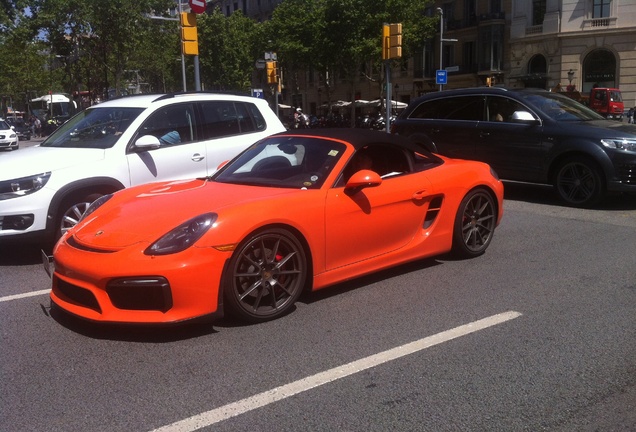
x=599, y=23
x=533, y=30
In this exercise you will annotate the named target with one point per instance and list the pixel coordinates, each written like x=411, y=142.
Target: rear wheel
x=265, y=276
x=579, y=182
x=475, y=224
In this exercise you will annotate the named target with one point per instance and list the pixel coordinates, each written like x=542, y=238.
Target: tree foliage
x=97, y=45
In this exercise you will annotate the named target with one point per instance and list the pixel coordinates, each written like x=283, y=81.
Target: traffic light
x=189, y=39
x=391, y=41
x=272, y=72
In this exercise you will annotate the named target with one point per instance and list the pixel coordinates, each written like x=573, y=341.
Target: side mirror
x=523, y=117
x=147, y=142
x=363, y=179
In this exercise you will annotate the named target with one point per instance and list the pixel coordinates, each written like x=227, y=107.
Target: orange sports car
x=299, y=210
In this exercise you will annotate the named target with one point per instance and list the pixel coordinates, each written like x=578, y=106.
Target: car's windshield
x=93, y=128
x=283, y=161
x=559, y=107
x=4, y=125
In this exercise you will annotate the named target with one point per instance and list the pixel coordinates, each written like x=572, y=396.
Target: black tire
x=71, y=211
x=265, y=276
x=475, y=224
x=579, y=182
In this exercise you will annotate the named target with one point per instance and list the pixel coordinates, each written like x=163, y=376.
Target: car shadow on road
x=130, y=332
x=546, y=195
x=357, y=283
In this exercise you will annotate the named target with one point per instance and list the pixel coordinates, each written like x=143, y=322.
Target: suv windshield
x=93, y=128
x=559, y=107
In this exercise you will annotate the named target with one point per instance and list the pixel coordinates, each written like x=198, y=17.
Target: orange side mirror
x=363, y=179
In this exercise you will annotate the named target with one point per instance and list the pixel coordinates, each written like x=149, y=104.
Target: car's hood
x=36, y=160
x=619, y=129
x=145, y=213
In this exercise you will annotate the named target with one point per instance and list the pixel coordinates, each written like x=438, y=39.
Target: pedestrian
x=38, y=127
x=32, y=125
x=630, y=115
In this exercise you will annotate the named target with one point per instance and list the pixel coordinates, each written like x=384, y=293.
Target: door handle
x=419, y=195
x=197, y=157
x=484, y=134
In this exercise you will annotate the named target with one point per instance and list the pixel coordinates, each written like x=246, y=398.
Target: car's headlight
x=95, y=205
x=621, y=144
x=23, y=186
x=183, y=236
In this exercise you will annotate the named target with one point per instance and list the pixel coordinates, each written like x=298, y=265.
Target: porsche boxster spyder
x=299, y=210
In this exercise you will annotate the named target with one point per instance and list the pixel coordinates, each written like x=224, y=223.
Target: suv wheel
x=579, y=182
x=71, y=211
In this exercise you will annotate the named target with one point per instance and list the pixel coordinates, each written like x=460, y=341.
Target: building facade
x=574, y=44
x=550, y=44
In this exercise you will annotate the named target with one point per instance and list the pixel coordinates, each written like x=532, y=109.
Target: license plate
x=47, y=261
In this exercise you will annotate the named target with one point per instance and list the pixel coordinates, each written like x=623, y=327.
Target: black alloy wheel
x=578, y=182
x=475, y=224
x=266, y=276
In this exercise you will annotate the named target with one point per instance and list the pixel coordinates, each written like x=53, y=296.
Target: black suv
x=528, y=135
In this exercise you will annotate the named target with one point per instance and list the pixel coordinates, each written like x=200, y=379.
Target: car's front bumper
x=127, y=286
x=625, y=172
x=25, y=216
x=5, y=144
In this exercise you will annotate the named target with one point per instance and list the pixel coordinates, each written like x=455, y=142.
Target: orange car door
x=375, y=220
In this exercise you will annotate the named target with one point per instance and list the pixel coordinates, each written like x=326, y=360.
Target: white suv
x=44, y=190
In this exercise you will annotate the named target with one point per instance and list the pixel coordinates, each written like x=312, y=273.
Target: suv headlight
x=23, y=186
x=621, y=144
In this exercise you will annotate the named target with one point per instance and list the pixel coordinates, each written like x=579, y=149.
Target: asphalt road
x=538, y=334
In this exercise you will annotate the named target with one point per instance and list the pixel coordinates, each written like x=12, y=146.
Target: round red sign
x=197, y=6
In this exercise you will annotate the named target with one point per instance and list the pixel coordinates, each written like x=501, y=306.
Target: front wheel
x=265, y=276
x=71, y=211
x=579, y=182
x=475, y=224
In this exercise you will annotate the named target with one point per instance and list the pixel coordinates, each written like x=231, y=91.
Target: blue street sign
x=441, y=77
x=258, y=93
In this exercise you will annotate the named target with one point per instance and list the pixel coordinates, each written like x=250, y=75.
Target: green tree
x=342, y=38
x=227, y=50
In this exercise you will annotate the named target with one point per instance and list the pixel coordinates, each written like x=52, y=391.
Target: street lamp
x=440, y=11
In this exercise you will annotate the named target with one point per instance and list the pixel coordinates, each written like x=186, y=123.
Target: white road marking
x=279, y=393
x=20, y=296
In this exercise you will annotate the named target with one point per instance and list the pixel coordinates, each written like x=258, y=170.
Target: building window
x=538, y=11
x=599, y=67
x=468, y=51
x=490, y=45
x=495, y=6
x=470, y=12
x=602, y=8
x=424, y=61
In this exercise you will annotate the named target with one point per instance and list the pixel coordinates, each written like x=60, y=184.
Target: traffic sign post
x=441, y=77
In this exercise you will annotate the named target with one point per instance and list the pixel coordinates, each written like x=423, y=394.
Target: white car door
x=181, y=153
